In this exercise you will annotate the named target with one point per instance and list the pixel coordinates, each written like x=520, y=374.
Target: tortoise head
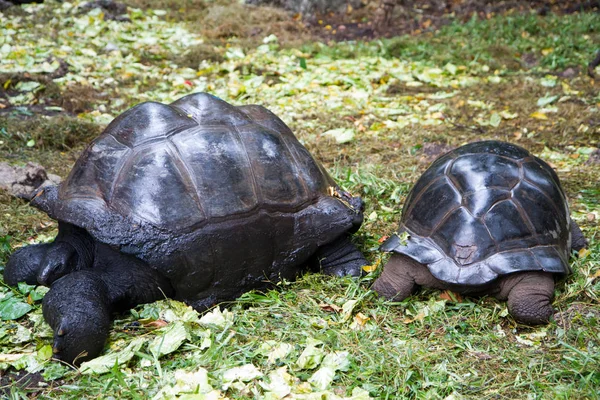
x=45, y=199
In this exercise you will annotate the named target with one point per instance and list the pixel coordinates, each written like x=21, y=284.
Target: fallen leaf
x=330, y=307
x=590, y=217
x=495, y=120
x=103, y=364
x=547, y=51
x=518, y=135
x=370, y=268
x=538, y=115
x=544, y=101
x=159, y=323
x=341, y=135
x=244, y=373
x=169, y=340
x=311, y=356
x=583, y=253
x=451, y=296
x=361, y=319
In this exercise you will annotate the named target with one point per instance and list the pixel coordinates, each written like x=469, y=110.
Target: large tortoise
x=196, y=200
x=486, y=218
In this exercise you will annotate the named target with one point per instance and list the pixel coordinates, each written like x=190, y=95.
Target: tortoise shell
x=483, y=210
x=200, y=185
x=198, y=159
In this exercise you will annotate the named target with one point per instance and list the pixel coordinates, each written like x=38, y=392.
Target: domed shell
x=180, y=166
x=483, y=210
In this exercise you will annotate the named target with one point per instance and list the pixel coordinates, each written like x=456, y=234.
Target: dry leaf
x=583, y=253
x=518, y=135
x=330, y=307
x=451, y=296
x=591, y=217
x=159, y=323
x=361, y=319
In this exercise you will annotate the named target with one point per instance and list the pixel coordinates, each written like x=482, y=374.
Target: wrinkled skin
x=529, y=294
x=196, y=200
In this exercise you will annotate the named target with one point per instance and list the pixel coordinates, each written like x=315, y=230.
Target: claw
x=60, y=260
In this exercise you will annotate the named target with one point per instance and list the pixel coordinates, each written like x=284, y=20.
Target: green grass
x=555, y=42
x=426, y=347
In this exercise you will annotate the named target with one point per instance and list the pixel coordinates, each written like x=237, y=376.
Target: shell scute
x=476, y=172
x=455, y=237
x=505, y=222
x=145, y=122
x=433, y=205
x=154, y=188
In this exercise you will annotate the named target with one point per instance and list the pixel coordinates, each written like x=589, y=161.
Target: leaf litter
x=131, y=62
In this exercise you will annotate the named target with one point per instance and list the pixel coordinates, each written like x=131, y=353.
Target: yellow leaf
x=361, y=319
x=539, y=115
x=547, y=51
x=369, y=268
x=584, y=253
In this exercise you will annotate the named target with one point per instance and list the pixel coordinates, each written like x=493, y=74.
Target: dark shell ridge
x=484, y=210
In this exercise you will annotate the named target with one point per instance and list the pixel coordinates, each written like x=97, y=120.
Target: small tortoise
x=488, y=218
x=196, y=200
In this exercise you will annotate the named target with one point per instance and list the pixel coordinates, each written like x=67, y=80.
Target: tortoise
x=487, y=218
x=197, y=200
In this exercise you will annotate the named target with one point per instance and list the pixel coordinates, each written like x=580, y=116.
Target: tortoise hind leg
x=402, y=276
x=79, y=305
x=578, y=241
x=529, y=296
x=341, y=258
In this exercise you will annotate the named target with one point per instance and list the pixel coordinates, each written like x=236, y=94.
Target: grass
x=430, y=346
x=553, y=43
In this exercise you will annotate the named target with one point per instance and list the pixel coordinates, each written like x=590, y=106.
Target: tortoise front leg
x=78, y=309
x=341, y=258
x=24, y=264
x=79, y=305
x=402, y=276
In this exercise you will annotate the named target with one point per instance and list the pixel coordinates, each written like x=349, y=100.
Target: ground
x=376, y=112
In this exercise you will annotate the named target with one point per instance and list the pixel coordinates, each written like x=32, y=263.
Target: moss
x=45, y=133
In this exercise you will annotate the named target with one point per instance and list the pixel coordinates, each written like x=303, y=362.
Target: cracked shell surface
x=484, y=210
